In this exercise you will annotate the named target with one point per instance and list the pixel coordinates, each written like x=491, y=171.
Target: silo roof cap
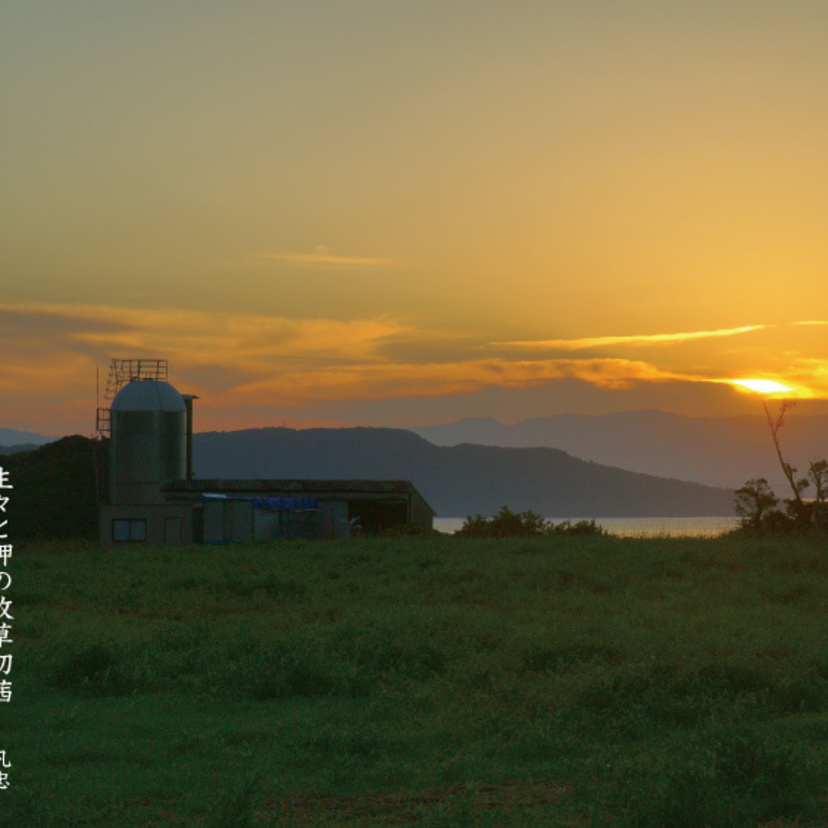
x=148, y=395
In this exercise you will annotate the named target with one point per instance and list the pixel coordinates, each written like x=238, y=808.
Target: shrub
x=509, y=524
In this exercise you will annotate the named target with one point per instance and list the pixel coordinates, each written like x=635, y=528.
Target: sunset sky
x=369, y=212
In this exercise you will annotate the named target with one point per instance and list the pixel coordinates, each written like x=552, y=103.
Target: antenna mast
x=121, y=373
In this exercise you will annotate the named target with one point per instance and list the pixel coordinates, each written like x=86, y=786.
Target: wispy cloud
x=384, y=381
x=812, y=322
x=324, y=257
x=251, y=359
x=244, y=363
x=53, y=350
x=157, y=329
x=635, y=340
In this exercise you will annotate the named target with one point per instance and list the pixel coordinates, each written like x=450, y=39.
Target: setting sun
x=763, y=386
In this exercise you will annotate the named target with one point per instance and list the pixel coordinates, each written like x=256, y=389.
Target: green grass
x=437, y=681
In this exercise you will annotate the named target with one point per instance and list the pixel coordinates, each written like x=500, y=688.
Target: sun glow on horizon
x=763, y=386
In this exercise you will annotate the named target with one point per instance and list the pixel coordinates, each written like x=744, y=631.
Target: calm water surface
x=635, y=527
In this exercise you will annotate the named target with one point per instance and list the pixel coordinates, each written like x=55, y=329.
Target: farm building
x=153, y=497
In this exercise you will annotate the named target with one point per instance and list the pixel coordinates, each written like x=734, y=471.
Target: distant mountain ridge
x=11, y=438
x=717, y=451
x=721, y=452
x=459, y=480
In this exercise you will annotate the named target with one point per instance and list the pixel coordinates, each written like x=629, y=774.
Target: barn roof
x=333, y=488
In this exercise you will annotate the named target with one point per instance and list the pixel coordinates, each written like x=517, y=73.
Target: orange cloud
x=168, y=331
x=239, y=362
x=382, y=381
x=810, y=374
x=52, y=351
x=635, y=340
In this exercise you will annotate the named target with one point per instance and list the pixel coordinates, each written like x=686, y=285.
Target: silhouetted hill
x=54, y=494
x=459, y=480
x=718, y=451
x=18, y=449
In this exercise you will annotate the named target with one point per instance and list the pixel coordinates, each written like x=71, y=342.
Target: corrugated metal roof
x=342, y=488
x=214, y=485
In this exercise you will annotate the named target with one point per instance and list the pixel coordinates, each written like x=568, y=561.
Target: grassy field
x=435, y=681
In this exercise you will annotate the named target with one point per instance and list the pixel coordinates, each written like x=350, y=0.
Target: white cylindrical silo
x=148, y=447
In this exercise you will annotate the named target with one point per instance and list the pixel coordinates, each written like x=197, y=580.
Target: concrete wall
x=152, y=524
x=228, y=521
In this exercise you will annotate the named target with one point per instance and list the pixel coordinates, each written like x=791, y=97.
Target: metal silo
x=148, y=448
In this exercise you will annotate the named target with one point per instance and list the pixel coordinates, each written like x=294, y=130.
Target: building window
x=133, y=530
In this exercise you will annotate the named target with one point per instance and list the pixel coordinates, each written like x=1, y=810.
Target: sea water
x=635, y=527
